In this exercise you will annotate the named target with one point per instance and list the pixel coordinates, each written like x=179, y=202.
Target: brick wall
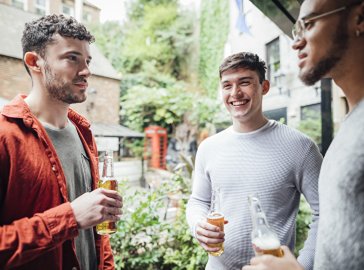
x=13, y=78
x=101, y=106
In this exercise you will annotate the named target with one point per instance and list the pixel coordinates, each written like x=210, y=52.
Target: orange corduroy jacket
x=37, y=224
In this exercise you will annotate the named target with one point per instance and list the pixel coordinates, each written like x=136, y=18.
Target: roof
x=91, y=5
x=109, y=130
x=12, y=21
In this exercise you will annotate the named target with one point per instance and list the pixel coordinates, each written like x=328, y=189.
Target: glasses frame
x=301, y=24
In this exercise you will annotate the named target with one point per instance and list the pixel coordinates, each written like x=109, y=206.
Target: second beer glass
x=215, y=217
x=107, y=181
x=264, y=240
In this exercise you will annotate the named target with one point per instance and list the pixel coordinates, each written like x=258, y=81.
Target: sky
x=112, y=10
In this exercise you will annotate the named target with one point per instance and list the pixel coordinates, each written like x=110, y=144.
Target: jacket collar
x=18, y=108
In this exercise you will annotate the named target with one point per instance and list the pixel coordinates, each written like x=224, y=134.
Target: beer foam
x=267, y=243
x=215, y=215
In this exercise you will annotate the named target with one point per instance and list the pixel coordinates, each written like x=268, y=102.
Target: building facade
x=288, y=100
x=102, y=105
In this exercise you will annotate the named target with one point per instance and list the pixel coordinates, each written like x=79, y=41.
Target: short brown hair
x=39, y=33
x=245, y=60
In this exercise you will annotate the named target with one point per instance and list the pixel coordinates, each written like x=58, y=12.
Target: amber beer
x=107, y=181
x=264, y=239
x=215, y=217
x=270, y=246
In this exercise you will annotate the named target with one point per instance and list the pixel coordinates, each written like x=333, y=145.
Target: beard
x=61, y=90
x=339, y=45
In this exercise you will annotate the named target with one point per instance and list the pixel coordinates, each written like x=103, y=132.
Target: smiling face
x=324, y=43
x=242, y=95
x=65, y=69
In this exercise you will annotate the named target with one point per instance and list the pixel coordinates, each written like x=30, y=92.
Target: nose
x=298, y=43
x=85, y=71
x=235, y=91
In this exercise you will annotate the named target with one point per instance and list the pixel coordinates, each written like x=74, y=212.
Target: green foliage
x=214, y=31
x=143, y=106
x=145, y=240
x=158, y=41
x=134, y=146
x=302, y=224
x=311, y=126
x=109, y=39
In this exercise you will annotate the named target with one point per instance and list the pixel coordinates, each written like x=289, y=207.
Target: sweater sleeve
x=199, y=202
x=28, y=238
x=308, y=186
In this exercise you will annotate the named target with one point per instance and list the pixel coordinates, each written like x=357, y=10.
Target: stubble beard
x=60, y=90
x=333, y=56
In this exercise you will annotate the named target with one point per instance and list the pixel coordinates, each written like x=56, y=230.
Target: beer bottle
x=215, y=217
x=264, y=239
x=107, y=181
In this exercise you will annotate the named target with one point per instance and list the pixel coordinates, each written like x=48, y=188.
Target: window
x=68, y=10
x=87, y=17
x=40, y=7
x=279, y=115
x=312, y=111
x=18, y=3
x=273, y=60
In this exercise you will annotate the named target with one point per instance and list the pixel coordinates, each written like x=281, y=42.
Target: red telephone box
x=155, y=148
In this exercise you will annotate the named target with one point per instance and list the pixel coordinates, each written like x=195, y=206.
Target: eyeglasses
x=300, y=26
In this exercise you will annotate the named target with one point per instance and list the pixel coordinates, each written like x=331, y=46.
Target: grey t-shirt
x=340, y=238
x=76, y=167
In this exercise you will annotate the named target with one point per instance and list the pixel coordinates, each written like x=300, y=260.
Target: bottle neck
x=257, y=214
x=108, y=168
x=215, y=202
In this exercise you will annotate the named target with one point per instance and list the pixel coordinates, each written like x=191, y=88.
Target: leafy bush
x=302, y=224
x=145, y=240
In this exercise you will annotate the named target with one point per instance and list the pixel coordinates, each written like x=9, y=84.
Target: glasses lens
x=298, y=29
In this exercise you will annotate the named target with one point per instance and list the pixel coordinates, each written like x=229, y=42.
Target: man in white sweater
x=329, y=39
x=254, y=155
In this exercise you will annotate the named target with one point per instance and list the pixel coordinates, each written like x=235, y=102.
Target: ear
x=32, y=60
x=265, y=86
x=359, y=18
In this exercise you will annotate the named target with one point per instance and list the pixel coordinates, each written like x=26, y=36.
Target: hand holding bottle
x=92, y=208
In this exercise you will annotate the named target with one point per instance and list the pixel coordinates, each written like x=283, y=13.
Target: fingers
x=208, y=234
x=109, y=193
x=287, y=251
x=267, y=259
x=209, y=248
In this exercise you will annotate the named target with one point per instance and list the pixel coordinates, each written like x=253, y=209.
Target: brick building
x=102, y=105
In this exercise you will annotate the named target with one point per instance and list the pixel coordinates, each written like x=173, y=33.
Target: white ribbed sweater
x=275, y=162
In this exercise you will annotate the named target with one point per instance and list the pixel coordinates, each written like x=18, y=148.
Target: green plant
x=214, y=30
x=303, y=221
x=138, y=243
x=311, y=126
x=146, y=240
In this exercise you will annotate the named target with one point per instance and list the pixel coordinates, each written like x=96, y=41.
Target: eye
x=72, y=57
x=88, y=62
x=226, y=86
x=244, y=83
x=308, y=24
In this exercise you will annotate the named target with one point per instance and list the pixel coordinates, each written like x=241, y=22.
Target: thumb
x=287, y=252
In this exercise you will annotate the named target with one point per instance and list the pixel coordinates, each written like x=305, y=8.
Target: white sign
x=107, y=143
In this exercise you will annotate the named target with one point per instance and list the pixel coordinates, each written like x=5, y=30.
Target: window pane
x=273, y=60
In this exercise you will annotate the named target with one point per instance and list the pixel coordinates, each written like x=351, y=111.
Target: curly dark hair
x=39, y=33
x=245, y=60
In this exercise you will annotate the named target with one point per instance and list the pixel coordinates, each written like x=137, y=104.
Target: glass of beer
x=267, y=245
x=264, y=239
x=107, y=181
x=215, y=217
